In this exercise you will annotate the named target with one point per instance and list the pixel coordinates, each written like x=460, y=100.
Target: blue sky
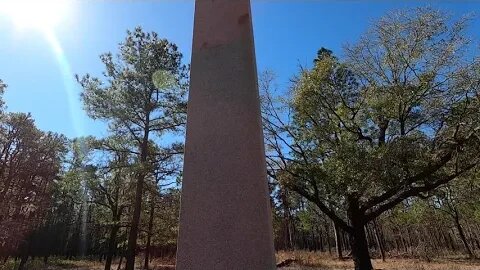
x=40, y=74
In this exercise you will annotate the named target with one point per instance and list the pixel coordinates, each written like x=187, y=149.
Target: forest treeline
x=372, y=154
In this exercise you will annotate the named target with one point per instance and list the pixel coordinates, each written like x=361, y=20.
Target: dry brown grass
x=306, y=261
x=157, y=264
x=322, y=261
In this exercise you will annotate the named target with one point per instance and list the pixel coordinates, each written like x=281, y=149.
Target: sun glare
x=37, y=14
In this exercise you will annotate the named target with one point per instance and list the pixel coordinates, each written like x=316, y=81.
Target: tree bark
x=120, y=263
x=378, y=239
x=449, y=240
x=327, y=237
x=286, y=219
x=133, y=234
x=358, y=239
x=112, y=245
x=461, y=232
x=403, y=241
x=149, y=233
x=23, y=262
x=321, y=241
x=360, y=253
x=338, y=242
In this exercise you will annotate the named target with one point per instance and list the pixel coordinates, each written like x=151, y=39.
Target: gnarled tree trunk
x=358, y=239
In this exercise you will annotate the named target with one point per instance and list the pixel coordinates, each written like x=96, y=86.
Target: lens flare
x=40, y=14
x=69, y=84
x=44, y=16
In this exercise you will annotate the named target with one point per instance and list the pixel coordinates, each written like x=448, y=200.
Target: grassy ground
x=322, y=261
x=304, y=261
x=61, y=264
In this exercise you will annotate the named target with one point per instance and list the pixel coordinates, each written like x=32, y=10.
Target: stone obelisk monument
x=225, y=218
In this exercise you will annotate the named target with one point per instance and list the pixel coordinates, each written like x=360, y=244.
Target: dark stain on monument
x=243, y=19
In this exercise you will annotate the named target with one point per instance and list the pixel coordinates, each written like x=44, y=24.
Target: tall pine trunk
x=149, y=233
x=133, y=234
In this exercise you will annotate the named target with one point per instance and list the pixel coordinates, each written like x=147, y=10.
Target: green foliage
x=391, y=121
x=396, y=119
x=3, y=86
x=146, y=85
x=30, y=163
x=143, y=102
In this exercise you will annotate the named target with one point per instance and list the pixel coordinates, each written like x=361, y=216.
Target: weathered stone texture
x=225, y=220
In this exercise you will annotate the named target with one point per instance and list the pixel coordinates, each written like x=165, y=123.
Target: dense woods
x=373, y=152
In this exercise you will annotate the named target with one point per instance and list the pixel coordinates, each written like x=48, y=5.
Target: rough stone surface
x=225, y=220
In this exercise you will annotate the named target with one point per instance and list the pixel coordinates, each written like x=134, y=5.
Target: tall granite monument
x=225, y=219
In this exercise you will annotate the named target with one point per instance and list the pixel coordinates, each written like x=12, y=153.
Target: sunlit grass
x=323, y=261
